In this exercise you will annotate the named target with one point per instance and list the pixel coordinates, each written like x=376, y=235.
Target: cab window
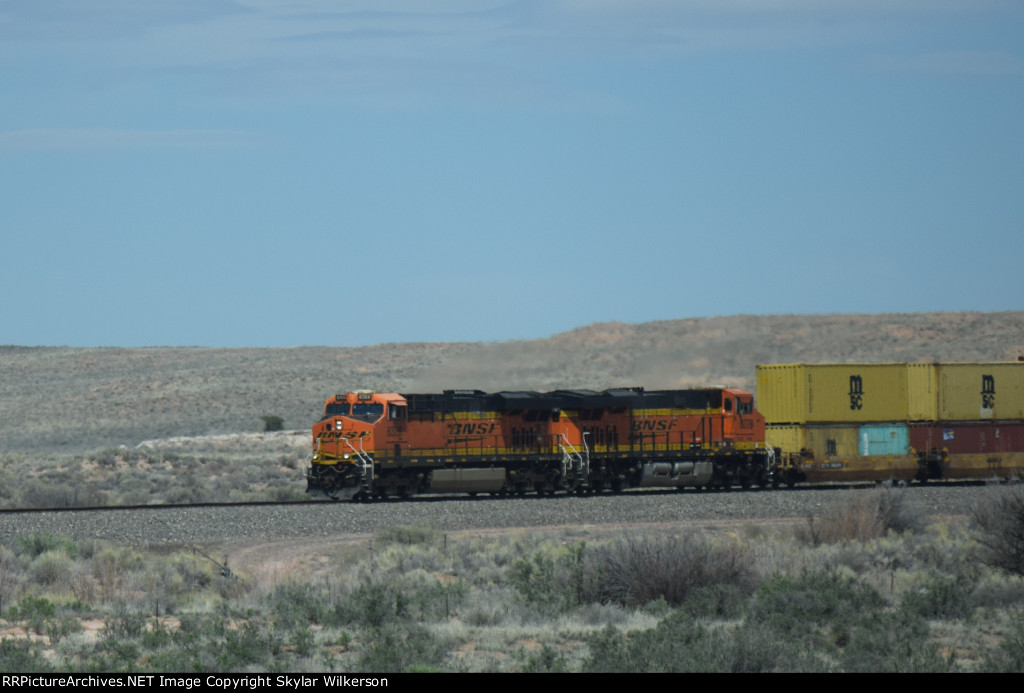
x=370, y=411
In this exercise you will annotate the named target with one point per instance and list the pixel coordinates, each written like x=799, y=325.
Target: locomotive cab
x=344, y=440
x=741, y=422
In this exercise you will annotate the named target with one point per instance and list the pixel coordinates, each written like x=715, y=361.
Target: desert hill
x=62, y=399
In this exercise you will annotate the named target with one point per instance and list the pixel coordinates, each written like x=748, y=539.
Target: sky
x=311, y=172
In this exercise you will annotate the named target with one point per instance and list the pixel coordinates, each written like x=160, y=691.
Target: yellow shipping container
x=789, y=438
x=781, y=397
x=856, y=392
x=833, y=441
x=981, y=391
x=846, y=392
x=922, y=392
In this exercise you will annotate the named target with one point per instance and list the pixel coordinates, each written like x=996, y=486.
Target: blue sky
x=278, y=173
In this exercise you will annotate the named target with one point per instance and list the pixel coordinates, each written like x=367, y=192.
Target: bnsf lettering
x=346, y=434
x=856, y=392
x=652, y=426
x=988, y=392
x=471, y=429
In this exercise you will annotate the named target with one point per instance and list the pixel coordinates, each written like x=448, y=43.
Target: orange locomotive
x=372, y=444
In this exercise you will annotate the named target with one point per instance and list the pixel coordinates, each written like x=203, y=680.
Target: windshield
x=367, y=412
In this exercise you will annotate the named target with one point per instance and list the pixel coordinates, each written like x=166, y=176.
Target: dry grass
x=640, y=569
x=421, y=600
x=863, y=516
x=999, y=522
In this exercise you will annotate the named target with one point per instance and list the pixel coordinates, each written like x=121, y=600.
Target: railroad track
x=254, y=522
x=155, y=506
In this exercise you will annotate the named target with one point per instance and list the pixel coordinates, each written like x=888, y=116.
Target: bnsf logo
x=856, y=392
x=471, y=429
x=652, y=426
x=346, y=434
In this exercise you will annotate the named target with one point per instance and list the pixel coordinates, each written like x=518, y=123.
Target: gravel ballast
x=157, y=525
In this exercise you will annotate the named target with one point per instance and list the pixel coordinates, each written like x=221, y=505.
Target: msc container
x=981, y=391
x=846, y=393
x=833, y=441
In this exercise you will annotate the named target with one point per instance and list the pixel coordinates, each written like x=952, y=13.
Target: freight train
x=371, y=444
x=814, y=423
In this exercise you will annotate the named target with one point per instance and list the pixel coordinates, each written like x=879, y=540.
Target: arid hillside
x=59, y=399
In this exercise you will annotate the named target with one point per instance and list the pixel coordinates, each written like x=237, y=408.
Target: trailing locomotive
x=371, y=444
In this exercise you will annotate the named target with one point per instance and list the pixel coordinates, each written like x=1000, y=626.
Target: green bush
x=941, y=597
x=407, y=535
x=395, y=648
x=375, y=605
x=272, y=422
x=546, y=660
x=1010, y=655
x=680, y=644
x=816, y=607
x=38, y=543
x=551, y=579
x=892, y=642
x=34, y=612
x=51, y=567
x=718, y=600
x=23, y=657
